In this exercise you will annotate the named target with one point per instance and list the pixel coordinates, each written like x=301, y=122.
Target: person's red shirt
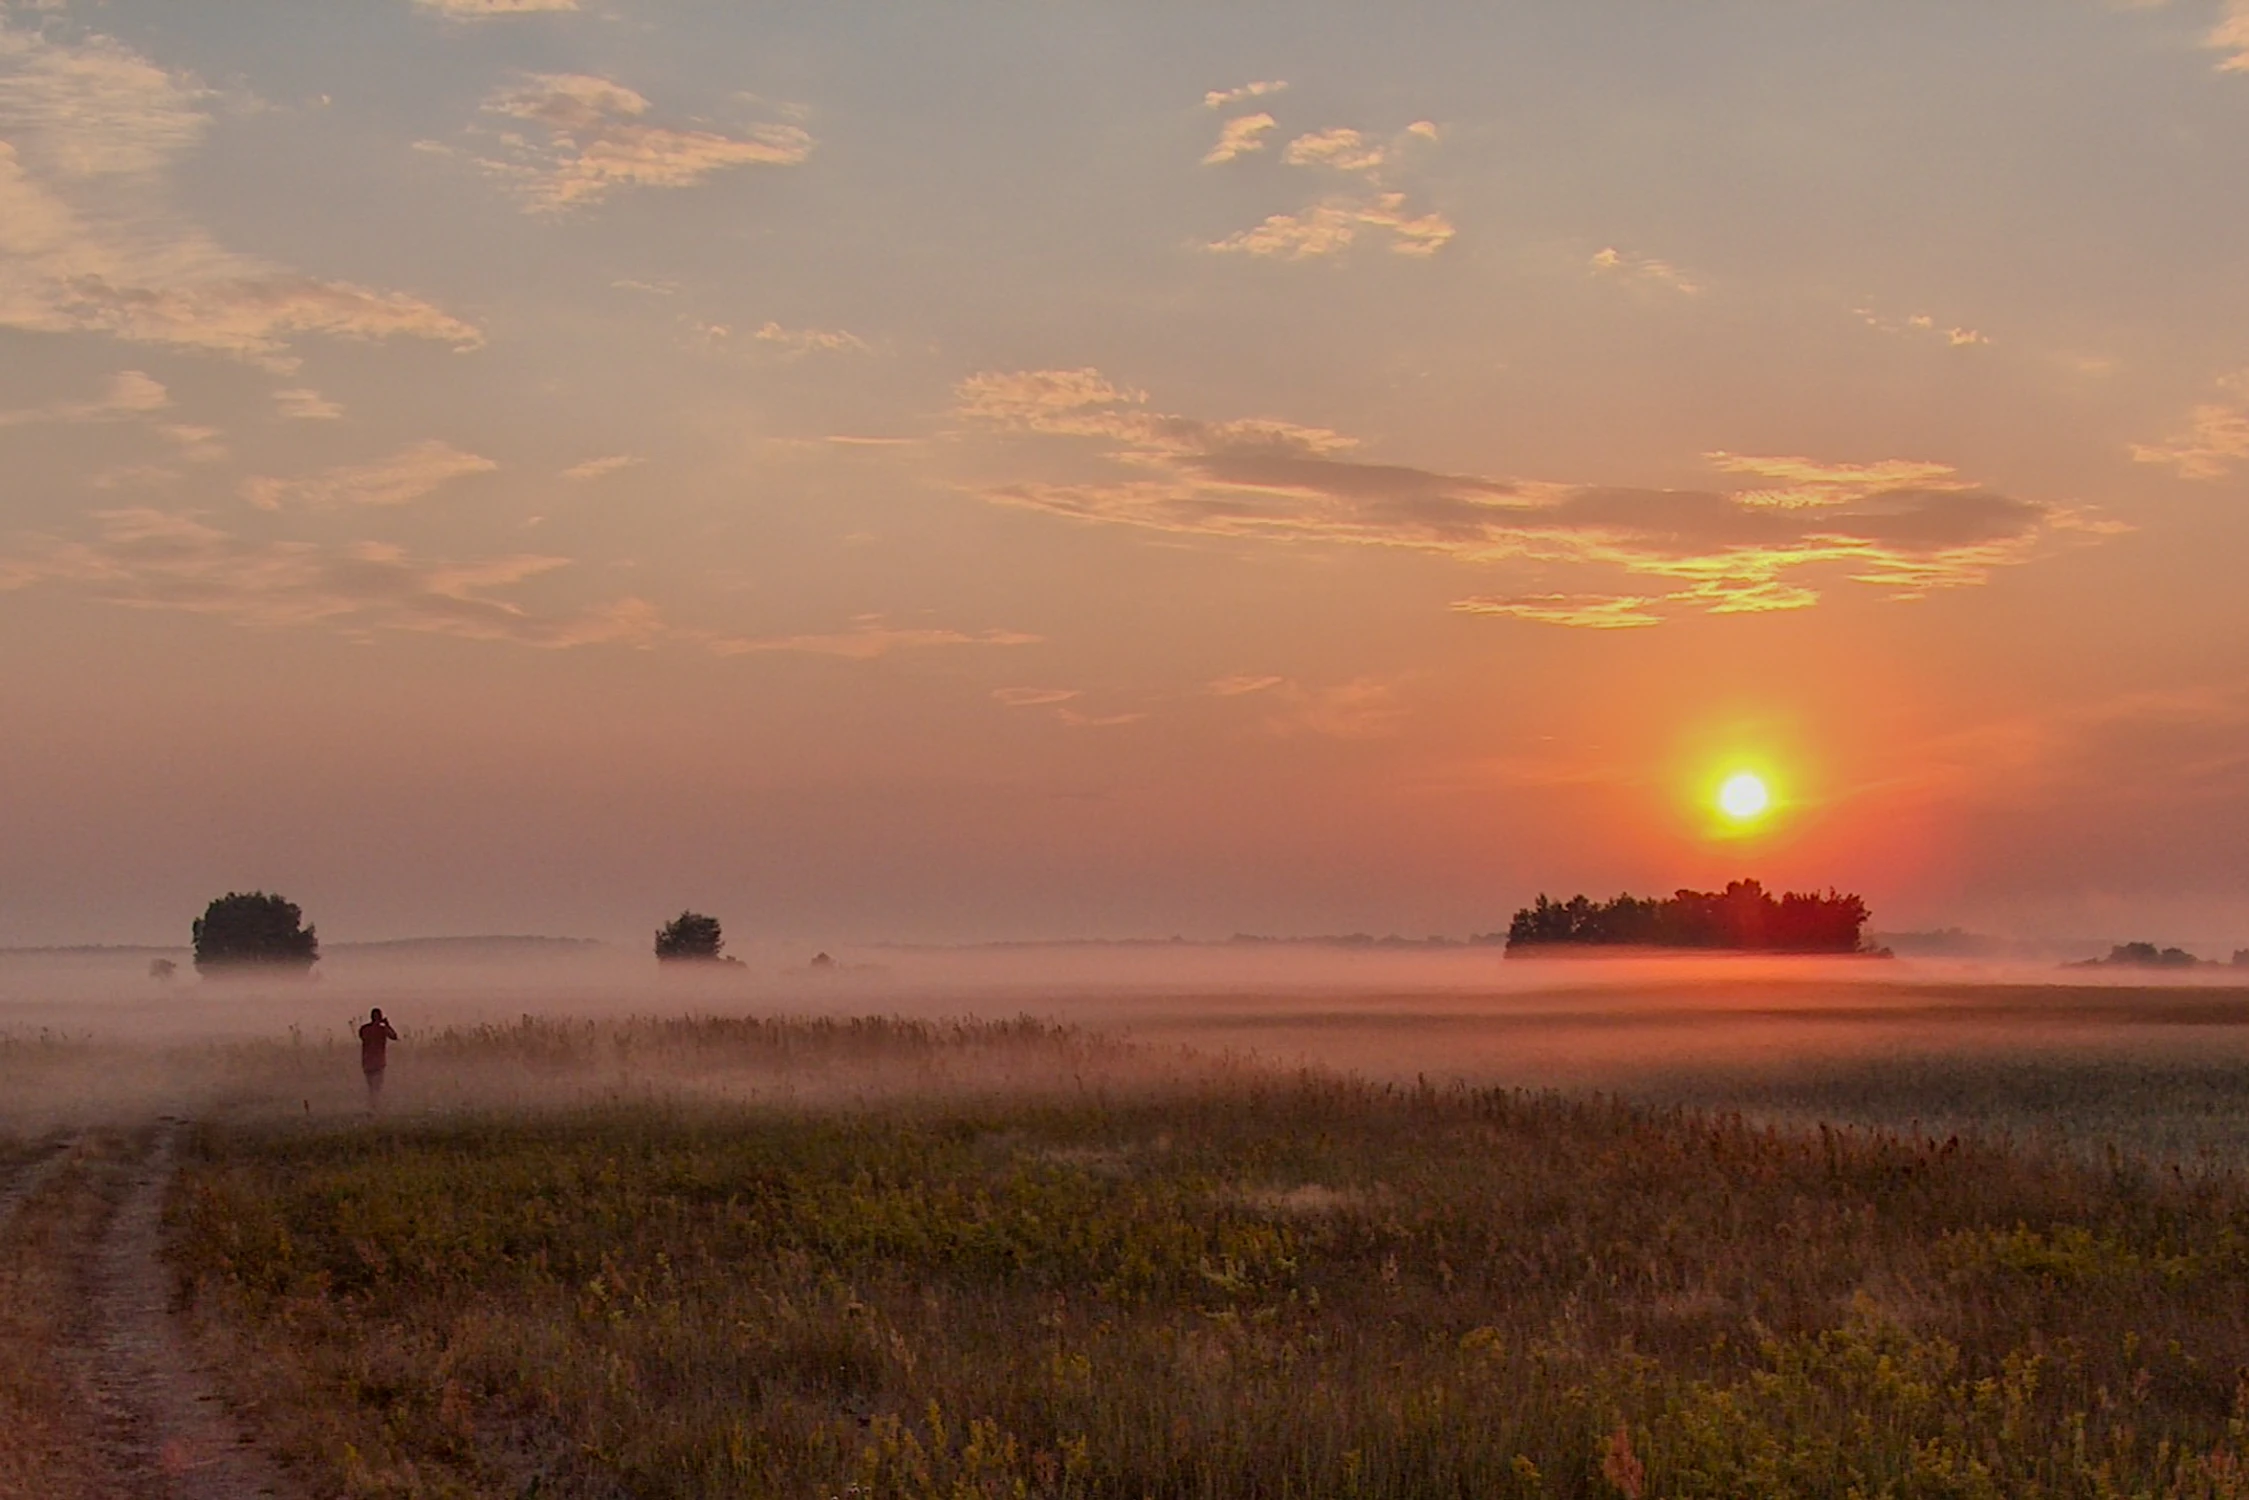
x=374, y=1038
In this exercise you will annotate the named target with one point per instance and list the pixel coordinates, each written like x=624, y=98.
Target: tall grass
x=1247, y=1285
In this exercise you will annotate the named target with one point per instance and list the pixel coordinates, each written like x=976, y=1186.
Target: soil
x=153, y=1417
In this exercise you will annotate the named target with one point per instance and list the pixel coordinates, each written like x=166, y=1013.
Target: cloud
x=600, y=468
x=2216, y=436
x=1362, y=709
x=811, y=340
x=90, y=242
x=2231, y=36
x=1589, y=611
x=302, y=404
x=144, y=558
x=597, y=141
x=480, y=10
x=1905, y=526
x=1333, y=224
x=131, y=393
x=150, y=559
x=1027, y=697
x=1077, y=720
x=1221, y=98
x=1791, y=483
x=1331, y=227
x=1238, y=138
x=405, y=476
x=1643, y=268
x=869, y=639
x=1341, y=150
x=1921, y=325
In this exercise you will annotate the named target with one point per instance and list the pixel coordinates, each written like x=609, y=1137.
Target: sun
x=1743, y=796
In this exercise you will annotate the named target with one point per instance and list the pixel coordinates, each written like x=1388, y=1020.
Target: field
x=908, y=1258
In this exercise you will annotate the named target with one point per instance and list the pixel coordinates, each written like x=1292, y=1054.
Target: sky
x=1025, y=470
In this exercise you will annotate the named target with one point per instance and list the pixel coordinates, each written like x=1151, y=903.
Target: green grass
x=1231, y=1285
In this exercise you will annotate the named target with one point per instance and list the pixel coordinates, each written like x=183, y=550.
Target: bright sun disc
x=1743, y=796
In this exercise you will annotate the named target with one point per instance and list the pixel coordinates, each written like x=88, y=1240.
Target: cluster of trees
x=254, y=931
x=258, y=932
x=1742, y=916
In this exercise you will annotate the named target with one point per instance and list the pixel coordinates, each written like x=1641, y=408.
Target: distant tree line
x=1742, y=916
x=2148, y=956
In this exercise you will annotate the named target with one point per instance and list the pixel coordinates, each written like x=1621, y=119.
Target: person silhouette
x=374, y=1041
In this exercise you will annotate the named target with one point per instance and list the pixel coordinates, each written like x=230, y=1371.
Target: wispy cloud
x=2231, y=36
x=89, y=240
x=302, y=404
x=145, y=558
x=150, y=559
x=811, y=340
x=1588, y=611
x=1333, y=226
x=1921, y=325
x=1645, y=269
x=1078, y=719
x=591, y=469
x=1907, y=527
x=131, y=393
x=1029, y=697
x=1240, y=686
x=405, y=476
x=867, y=639
x=1365, y=708
x=1238, y=138
x=597, y=139
x=2215, y=438
x=1340, y=150
x=1222, y=98
x=482, y=10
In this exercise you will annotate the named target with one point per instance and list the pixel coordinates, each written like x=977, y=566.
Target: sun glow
x=1743, y=796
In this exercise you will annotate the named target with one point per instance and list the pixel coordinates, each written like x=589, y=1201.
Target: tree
x=254, y=931
x=690, y=936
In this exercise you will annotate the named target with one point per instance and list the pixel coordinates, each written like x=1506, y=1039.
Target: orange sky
x=1008, y=470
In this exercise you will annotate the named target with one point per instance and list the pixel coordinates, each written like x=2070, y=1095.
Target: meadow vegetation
x=1133, y=1281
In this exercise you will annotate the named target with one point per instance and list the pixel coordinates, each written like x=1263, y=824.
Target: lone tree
x=689, y=936
x=254, y=931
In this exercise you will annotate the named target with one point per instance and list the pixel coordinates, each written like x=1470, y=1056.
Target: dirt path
x=164, y=1433
x=36, y=1174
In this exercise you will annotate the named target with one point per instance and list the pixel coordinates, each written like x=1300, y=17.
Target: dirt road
x=102, y=1378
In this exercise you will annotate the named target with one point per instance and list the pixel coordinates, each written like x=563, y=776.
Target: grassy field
x=1132, y=1281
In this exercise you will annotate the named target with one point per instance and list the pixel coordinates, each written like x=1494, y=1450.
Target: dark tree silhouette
x=254, y=931
x=689, y=936
x=2148, y=956
x=1741, y=916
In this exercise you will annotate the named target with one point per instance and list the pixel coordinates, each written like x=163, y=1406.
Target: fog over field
x=2092, y=1055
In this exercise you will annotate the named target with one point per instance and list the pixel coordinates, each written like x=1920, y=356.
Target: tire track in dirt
x=36, y=1174
x=166, y=1435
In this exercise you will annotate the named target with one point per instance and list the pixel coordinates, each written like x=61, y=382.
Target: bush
x=254, y=930
x=691, y=936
